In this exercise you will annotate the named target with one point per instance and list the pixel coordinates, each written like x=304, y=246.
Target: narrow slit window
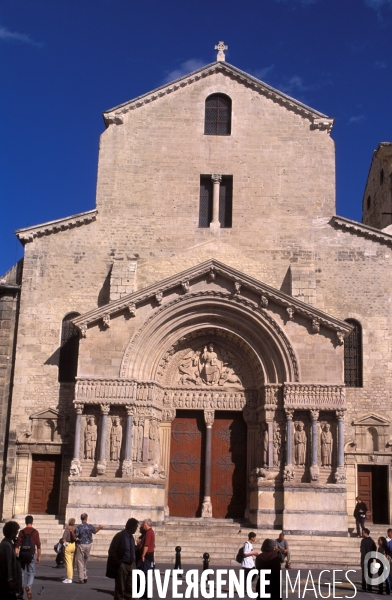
x=353, y=356
x=226, y=201
x=205, y=206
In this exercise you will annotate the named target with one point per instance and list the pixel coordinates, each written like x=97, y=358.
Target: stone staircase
x=221, y=538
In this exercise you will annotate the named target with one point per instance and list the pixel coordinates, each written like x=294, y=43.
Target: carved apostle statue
x=153, y=450
x=115, y=439
x=300, y=444
x=90, y=439
x=326, y=446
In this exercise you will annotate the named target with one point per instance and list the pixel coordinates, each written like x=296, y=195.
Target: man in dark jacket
x=367, y=545
x=121, y=560
x=8, y=564
x=360, y=515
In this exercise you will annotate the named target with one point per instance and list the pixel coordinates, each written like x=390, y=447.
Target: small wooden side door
x=45, y=484
x=186, y=471
x=365, y=492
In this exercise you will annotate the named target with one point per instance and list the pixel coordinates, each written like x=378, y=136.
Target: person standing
x=28, y=549
x=146, y=548
x=84, y=536
x=69, y=538
x=281, y=545
x=383, y=549
x=248, y=562
x=269, y=559
x=8, y=564
x=121, y=560
x=367, y=545
x=360, y=515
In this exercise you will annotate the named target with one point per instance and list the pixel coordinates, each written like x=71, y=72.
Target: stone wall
x=377, y=197
x=9, y=302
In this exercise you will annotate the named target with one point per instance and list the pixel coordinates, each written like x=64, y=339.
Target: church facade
x=211, y=341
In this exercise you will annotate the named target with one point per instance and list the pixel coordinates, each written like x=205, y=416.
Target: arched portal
x=213, y=359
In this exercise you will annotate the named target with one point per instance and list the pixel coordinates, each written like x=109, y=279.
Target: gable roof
x=27, y=234
x=318, y=119
x=362, y=230
x=240, y=281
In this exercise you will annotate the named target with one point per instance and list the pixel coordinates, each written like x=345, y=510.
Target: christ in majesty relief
x=212, y=366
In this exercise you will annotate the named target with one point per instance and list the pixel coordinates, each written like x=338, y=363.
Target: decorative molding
x=27, y=234
x=318, y=120
x=185, y=286
x=289, y=413
x=314, y=413
x=211, y=268
x=83, y=330
x=132, y=309
x=320, y=396
x=315, y=326
x=362, y=230
x=105, y=409
x=290, y=311
x=226, y=296
x=106, y=320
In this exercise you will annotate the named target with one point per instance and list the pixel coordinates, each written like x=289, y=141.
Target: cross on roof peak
x=221, y=48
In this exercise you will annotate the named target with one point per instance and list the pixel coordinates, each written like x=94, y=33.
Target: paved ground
x=48, y=586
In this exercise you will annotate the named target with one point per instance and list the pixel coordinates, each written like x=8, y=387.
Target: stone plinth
x=266, y=505
x=113, y=501
x=315, y=509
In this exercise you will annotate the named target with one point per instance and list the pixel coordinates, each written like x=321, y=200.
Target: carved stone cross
x=221, y=48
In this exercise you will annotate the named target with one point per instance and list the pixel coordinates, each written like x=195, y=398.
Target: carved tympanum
x=210, y=366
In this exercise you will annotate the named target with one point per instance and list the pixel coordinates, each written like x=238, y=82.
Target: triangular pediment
x=372, y=419
x=233, y=283
x=318, y=120
x=47, y=413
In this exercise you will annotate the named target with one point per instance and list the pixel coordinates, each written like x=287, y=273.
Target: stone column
x=340, y=475
x=216, y=179
x=288, y=474
x=127, y=462
x=101, y=465
x=76, y=467
x=206, y=510
x=314, y=468
x=270, y=461
x=164, y=443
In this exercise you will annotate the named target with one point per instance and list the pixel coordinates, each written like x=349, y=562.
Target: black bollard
x=206, y=562
x=177, y=564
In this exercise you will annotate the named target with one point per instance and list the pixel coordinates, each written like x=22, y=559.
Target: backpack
x=27, y=548
x=240, y=555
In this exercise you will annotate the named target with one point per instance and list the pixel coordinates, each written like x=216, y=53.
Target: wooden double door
x=228, y=464
x=45, y=484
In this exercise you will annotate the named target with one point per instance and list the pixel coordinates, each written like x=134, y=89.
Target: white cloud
x=377, y=5
x=13, y=36
x=356, y=119
x=261, y=73
x=184, y=69
x=296, y=84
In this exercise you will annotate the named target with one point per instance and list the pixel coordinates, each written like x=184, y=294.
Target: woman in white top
x=248, y=562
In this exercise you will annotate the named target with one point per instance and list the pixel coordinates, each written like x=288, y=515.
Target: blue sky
x=63, y=62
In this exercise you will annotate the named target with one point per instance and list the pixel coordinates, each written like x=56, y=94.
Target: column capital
x=105, y=409
x=289, y=413
x=209, y=416
x=168, y=415
x=79, y=408
x=314, y=413
x=130, y=409
x=340, y=414
x=216, y=178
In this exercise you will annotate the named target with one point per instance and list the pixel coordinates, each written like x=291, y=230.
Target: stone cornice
x=362, y=230
x=211, y=268
x=29, y=233
x=318, y=120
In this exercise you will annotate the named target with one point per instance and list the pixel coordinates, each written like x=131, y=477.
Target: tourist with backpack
x=248, y=562
x=28, y=550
